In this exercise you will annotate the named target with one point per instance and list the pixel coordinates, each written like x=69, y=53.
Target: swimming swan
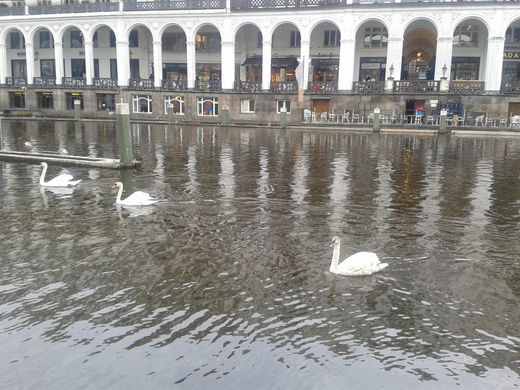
x=361, y=263
x=138, y=198
x=58, y=181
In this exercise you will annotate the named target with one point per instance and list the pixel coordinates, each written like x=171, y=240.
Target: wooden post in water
x=169, y=112
x=283, y=117
x=77, y=110
x=443, y=121
x=124, y=136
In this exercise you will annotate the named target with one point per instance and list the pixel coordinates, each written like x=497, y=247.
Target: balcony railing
x=44, y=82
x=104, y=83
x=260, y=4
x=248, y=86
x=511, y=88
x=175, y=85
x=209, y=85
x=173, y=4
x=73, y=8
x=284, y=87
x=140, y=84
x=74, y=82
x=416, y=86
x=367, y=87
x=8, y=11
x=467, y=87
x=15, y=81
x=322, y=87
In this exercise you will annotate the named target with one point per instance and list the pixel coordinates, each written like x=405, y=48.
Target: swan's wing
x=60, y=181
x=361, y=263
x=139, y=198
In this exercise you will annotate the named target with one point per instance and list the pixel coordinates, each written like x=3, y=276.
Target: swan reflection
x=132, y=211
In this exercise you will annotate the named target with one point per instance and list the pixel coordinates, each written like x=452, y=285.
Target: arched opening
x=371, y=48
x=44, y=61
x=325, y=42
x=419, y=47
x=105, y=57
x=286, y=48
x=140, y=53
x=74, y=70
x=208, y=70
x=174, y=59
x=16, y=70
x=248, y=54
x=469, y=51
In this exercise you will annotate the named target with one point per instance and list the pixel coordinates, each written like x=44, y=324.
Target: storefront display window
x=17, y=99
x=45, y=100
x=71, y=97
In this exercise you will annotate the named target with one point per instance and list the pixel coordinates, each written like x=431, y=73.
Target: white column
x=3, y=63
x=266, y=65
x=191, y=63
x=157, y=64
x=494, y=63
x=394, y=57
x=123, y=63
x=89, y=62
x=29, y=59
x=58, y=61
x=443, y=56
x=346, y=64
x=228, y=65
x=305, y=56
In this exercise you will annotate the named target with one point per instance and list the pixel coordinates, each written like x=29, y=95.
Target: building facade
x=197, y=57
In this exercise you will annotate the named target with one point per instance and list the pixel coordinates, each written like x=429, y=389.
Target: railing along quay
x=368, y=87
x=174, y=85
x=140, y=84
x=44, y=82
x=15, y=81
x=103, y=83
x=209, y=85
x=284, y=87
x=512, y=88
x=248, y=86
x=416, y=86
x=322, y=87
x=467, y=87
x=74, y=82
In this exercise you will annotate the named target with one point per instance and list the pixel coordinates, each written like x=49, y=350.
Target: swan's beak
x=331, y=243
x=114, y=186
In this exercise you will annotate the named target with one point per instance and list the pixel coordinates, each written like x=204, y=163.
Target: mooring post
x=442, y=121
x=283, y=118
x=169, y=111
x=77, y=110
x=376, y=128
x=224, y=115
x=124, y=136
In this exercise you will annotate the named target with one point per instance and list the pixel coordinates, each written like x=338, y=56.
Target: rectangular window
x=283, y=105
x=45, y=40
x=17, y=99
x=177, y=102
x=77, y=67
x=76, y=39
x=247, y=105
x=142, y=104
x=207, y=106
x=295, y=39
x=18, y=68
x=45, y=100
x=375, y=37
x=133, y=40
x=47, y=68
x=17, y=40
x=331, y=38
x=96, y=68
x=106, y=102
x=174, y=42
x=113, y=68
x=71, y=97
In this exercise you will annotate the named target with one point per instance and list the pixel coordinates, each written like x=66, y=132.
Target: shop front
x=324, y=73
x=372, y=68
x=282, y=69
x=465, y=68
x=511, y=67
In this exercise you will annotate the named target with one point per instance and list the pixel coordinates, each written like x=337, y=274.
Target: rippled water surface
x=225, y=284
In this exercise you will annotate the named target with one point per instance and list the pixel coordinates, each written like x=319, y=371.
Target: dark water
x=225, y=284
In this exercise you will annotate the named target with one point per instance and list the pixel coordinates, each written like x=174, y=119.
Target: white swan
x=138, y=198
x=58, y=181
x=361, y=263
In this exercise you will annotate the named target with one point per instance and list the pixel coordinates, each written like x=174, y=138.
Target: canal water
x=225, y=284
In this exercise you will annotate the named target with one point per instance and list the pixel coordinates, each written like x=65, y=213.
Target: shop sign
x=369, y=65
x=511, y=55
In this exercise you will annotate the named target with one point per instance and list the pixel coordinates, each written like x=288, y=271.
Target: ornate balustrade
x=8, y=11
x=416, y=86
x=322, y=87
x=284, y=87
x=367, y=87
x=74, y=82
x=44, y=82
x=512, y=88
x=140, y=84
x=175, y=85
x=173, y=4
x=102, y=83
x=248, y=86
x=261, y=4
x=15, y=81
x=467, y=87
x=209, y=85
x=73, y=8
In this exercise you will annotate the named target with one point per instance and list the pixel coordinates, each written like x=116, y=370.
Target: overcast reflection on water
x=224, y=285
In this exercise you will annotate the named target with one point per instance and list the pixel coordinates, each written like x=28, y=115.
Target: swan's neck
x=335, y=258
x=42, y=177
x=119, y=193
